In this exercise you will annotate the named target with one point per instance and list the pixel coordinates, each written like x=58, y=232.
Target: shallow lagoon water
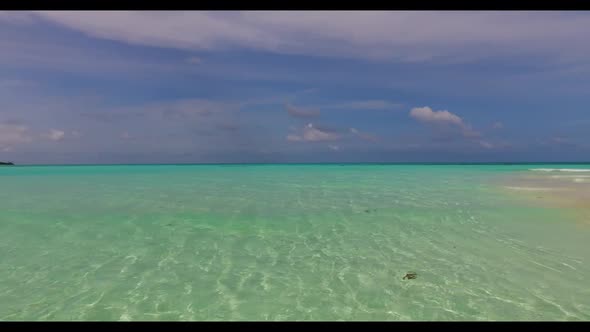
x=288, y=242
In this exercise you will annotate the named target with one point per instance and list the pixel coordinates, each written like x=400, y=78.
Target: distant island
x=6, y=163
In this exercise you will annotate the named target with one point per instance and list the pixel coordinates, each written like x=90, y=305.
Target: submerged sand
x=560, y=188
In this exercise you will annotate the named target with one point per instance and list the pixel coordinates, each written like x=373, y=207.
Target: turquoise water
x=285, y=242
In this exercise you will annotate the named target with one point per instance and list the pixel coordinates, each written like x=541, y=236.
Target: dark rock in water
x=367, y=211
x=6, y=163
x=410, y=275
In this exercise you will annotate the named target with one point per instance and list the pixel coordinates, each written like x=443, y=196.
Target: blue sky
x=143, y=87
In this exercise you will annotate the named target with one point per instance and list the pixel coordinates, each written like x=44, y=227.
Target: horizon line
x=311, y=163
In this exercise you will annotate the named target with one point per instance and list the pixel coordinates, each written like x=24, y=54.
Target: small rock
x=410, y=275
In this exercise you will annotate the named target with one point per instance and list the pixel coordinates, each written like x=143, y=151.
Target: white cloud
x=444, y=119
x=56, y=135
x=334, y=147
x=498, y=125
x=125, y=135
x=363, y=136
x=13, y=134
x=312, y=134
x=470, y=133
x=486, y=145
x=426, y=114
x=394, y=35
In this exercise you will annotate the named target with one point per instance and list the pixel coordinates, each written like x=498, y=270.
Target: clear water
x=285, y=242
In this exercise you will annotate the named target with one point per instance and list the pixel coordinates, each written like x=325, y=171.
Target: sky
x=293, y=86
